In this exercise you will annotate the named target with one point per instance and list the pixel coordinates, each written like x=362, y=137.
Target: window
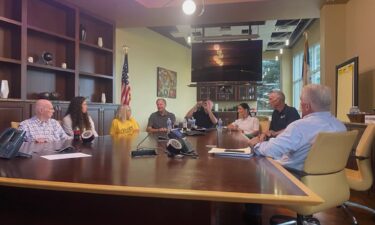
x=271, y=81
x=315, y=64
x=297, y=78
x=314, y=52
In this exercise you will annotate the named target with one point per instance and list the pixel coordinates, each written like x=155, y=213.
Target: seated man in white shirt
x=41, y=127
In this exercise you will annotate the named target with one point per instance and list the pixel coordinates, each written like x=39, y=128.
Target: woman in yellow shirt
x=123, y=123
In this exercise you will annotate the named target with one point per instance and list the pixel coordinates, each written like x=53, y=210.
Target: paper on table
x=240, y=152
x=65, y=156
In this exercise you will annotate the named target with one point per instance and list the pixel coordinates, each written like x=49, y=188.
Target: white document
x=369, y=119
x=239, y=152
x=65, y=156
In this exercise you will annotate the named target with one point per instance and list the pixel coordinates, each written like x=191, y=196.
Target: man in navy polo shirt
x=282, y=114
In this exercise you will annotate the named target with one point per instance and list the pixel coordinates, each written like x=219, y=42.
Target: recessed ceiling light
x=188, y=7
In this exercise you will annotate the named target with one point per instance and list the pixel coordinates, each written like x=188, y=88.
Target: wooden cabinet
x=246, y=93
x=17, y=111
x=13, y=111
x=95, y=62
x=31, y=28
x=227, y=93
x=102, y=115
x=10, y=45
x=206, y=93
x=227, y=117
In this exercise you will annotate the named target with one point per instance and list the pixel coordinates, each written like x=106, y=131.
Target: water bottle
x=184, y=125
x=219, y=124
x=192, y=122
x=169, y=124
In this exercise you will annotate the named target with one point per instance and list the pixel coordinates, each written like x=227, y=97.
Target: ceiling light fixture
x=189, y=39
x=287, y=42
x=281, y=51
x=277, y=58
x=189, y=7
x=227, y=38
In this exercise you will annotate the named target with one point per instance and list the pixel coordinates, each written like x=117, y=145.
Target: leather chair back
x=325, y=166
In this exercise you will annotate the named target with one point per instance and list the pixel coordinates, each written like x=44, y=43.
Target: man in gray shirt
x=157, y=122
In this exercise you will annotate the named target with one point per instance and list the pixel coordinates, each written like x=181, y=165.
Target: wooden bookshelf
x=29, y=28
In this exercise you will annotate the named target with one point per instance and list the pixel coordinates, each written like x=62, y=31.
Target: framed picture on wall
x=166, y=83
x=346, y=87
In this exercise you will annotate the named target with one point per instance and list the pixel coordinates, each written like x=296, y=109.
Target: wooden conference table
x=110, y=186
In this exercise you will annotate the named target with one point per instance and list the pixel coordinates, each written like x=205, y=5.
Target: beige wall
x=147, y=51
x=346, y=32
x=332, y=44
x=360, y=41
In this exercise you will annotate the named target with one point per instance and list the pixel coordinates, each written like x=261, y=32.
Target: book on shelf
x=239, y=152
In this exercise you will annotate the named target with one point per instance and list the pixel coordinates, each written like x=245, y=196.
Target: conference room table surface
x=110, y=170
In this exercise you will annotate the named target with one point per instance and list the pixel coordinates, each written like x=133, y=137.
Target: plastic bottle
x=219, y=124
x=192, y=122
x=77, y=134
x=169, y=124
x=184, y=125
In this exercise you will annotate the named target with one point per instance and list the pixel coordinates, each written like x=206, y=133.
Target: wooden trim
x=216, y=196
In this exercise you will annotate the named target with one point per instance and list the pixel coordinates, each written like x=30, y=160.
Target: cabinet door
x=226, y=93
x=204, y=93
x=13, y=111
x=108, y=115
x=95, y=112
x=60, y=110
x=227, y=117
x=246, y=93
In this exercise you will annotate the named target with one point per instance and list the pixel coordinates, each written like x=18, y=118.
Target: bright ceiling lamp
x=188, y=7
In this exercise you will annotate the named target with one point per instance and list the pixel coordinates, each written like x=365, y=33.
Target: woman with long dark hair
x=245, y=123
x=77, y=117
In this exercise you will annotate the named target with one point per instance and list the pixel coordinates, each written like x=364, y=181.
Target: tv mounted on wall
x=227, y=61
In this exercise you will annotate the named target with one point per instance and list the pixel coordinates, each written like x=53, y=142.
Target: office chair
x=264, y=125
x=14, y=124
x=362, y=179
x=324, y=174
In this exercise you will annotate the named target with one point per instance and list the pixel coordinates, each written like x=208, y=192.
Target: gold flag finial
x=125, y=48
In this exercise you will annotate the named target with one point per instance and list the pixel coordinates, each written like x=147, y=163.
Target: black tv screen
x=227, y=61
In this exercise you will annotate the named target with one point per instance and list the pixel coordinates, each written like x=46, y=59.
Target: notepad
x=65, y=156
x=241, y=152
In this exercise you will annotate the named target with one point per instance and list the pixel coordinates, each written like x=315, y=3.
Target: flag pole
x=306, y=63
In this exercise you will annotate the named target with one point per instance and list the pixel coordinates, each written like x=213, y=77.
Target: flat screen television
x=227, y=61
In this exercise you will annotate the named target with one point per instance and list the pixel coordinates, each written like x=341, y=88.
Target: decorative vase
x=100, y=42
x=82, y=32
x=4, y=89
x=103, y=98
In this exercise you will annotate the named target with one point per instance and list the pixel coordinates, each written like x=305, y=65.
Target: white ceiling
x=168, y=13
x=130, y=13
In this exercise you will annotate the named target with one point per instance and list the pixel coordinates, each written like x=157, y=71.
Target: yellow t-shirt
x=126, y=128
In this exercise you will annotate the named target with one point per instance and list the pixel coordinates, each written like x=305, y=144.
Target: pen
x=232, y=150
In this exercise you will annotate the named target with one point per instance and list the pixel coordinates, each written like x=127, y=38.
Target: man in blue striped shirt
x=42, y=128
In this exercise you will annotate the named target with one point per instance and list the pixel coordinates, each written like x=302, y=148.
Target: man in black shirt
x=282, y=114
x=202, y=113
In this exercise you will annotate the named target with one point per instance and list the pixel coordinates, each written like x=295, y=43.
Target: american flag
x=125, y=86
x=306, y=63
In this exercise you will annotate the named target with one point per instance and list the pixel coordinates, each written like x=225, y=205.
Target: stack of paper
x=240, y=152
